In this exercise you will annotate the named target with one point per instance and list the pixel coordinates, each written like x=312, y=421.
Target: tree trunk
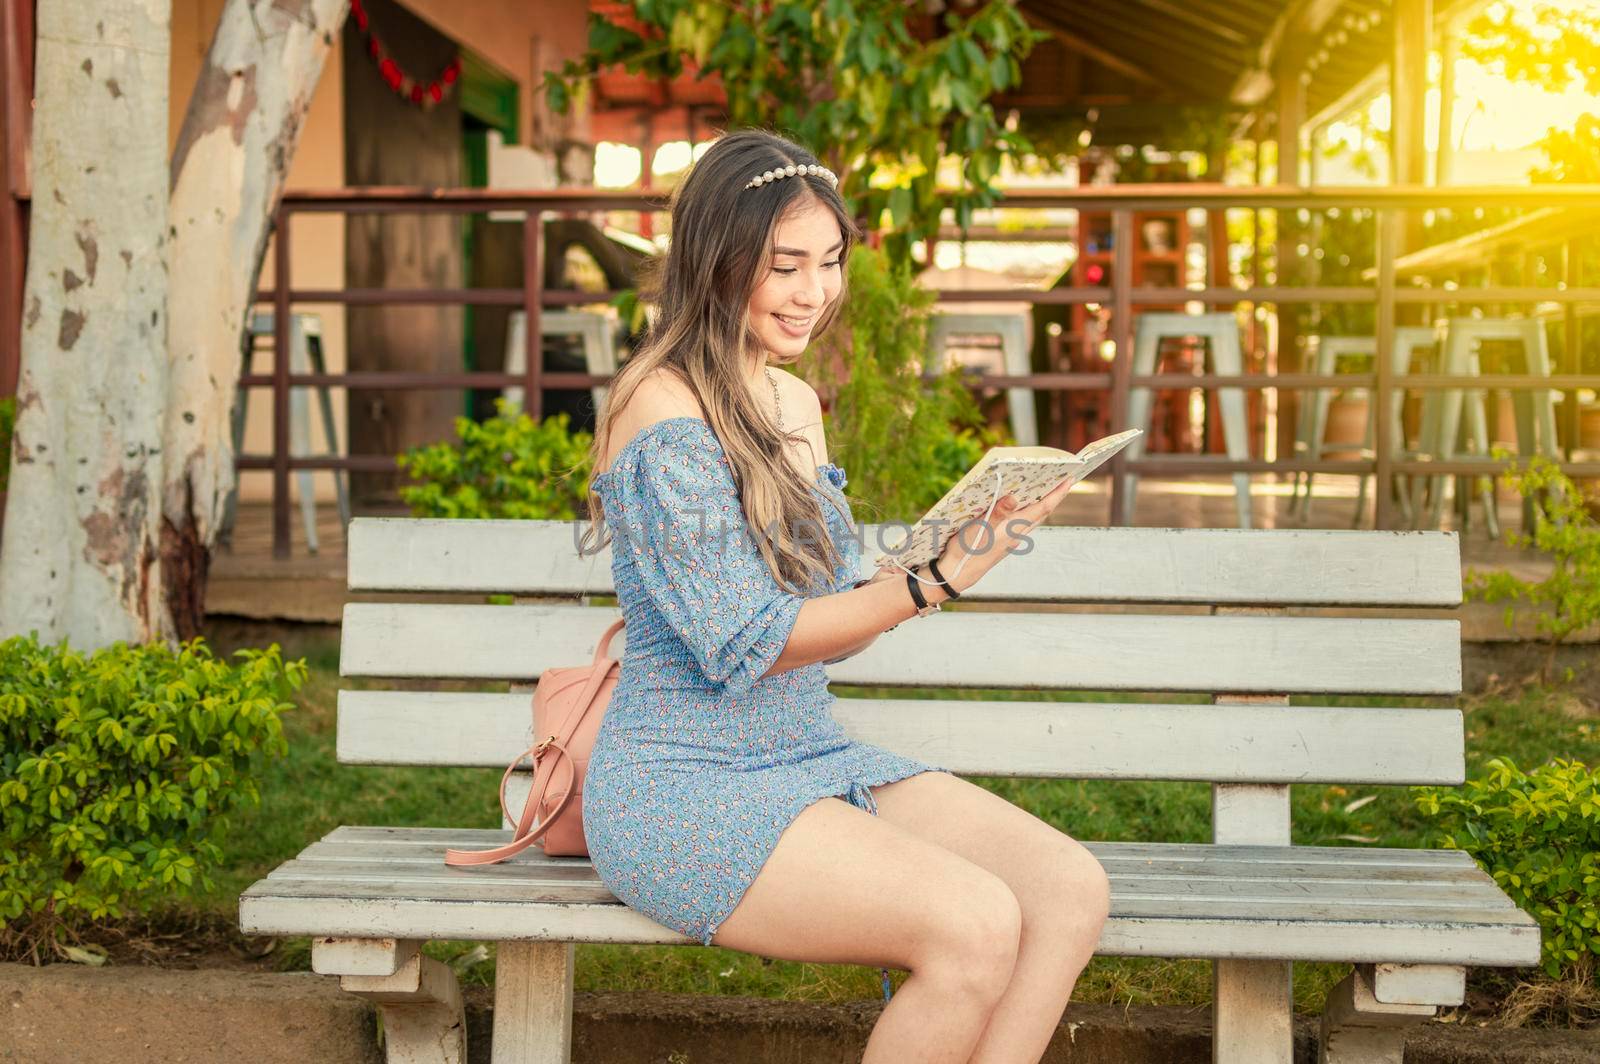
x=228, y=171
x=80, y=557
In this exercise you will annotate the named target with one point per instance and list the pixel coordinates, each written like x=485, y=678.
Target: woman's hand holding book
x=979, y=544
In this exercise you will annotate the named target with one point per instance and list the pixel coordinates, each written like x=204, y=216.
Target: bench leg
x=533, y=1003
x=1253, y=1021
x=1357, y=1028
x=423, y=1021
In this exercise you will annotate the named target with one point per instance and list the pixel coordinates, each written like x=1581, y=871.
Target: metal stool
x=1013, y=332
x=594, y=329
x=1313, y=415
x=305, y=356
x=1534, y=410
x=1221, y=330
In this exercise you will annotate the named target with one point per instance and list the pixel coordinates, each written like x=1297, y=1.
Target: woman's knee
x=1066, y=894
x=1086, y=890
x=977, y=941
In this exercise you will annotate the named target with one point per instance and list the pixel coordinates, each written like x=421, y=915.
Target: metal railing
x=1390, y=205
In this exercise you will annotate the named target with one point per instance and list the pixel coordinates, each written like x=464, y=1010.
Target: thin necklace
x=776, y=409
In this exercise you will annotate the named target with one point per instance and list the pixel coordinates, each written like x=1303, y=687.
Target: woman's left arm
x=884, y=573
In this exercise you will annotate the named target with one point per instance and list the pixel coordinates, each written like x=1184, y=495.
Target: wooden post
x=1122, y=339
x=1291, y=99
x=1388, y=226
x=533, y=1003
x=1444, y=160
x=532, y=298
x=16, y=112
x=1253, y=1001
x=280, y=382
x=1408, y=108
x=1571, y=362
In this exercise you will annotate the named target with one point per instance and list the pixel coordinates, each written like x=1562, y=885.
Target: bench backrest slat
x=1215, y=612
x=1074, y=740
x=1065, y=564
x=1118, y=652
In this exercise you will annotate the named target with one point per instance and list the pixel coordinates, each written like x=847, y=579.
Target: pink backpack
x=568, y=706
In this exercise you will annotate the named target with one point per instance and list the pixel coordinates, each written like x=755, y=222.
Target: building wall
x=522, y=37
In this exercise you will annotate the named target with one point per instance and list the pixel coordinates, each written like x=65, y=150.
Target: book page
x=1028, y=478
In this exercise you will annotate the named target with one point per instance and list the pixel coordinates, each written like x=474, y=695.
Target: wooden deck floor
x=247, y=581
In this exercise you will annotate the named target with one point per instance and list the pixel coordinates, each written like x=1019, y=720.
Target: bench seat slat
x=1076, y=740
x=1453, y=906
x=1503, y=943
x=400, y=855
x=1119, y=652
x=1270, y=913
x=435, y=841
x=1208, y=566
x=1463, y=892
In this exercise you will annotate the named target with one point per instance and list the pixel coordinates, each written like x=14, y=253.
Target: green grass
x=308, y=794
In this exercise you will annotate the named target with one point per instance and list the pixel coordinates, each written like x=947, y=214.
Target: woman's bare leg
x=1061, y=888
x=845, y=887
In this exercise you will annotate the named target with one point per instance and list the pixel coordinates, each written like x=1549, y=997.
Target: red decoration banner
x=404, y=85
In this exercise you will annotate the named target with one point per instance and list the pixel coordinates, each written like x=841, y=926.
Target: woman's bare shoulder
x=659, y=396
x=804, y=406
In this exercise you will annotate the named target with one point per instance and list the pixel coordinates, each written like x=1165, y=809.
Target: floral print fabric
x=701, y=761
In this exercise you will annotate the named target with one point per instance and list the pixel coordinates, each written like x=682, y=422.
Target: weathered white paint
x=227, y=174
x=1359, y=1029
x=1253, y=1000
x=533, y=1003
x=1299, y=902
x=1074, y=740
x=81, y=557
x=361, y=956
x=1067, y=564
x=1136, y=652
x=1224, y=930
x=423, y=1018
x=1253, y=1017
x=1417, y=984
x=433, y=841
x=1270, y=891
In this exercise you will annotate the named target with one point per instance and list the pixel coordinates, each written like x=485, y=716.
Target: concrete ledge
x=68, y=1014
x=71, y=1014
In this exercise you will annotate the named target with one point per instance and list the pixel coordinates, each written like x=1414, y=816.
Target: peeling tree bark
x=228, y=171
x=80, y=557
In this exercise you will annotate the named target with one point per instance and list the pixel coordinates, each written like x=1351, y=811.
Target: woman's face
x=804, y=279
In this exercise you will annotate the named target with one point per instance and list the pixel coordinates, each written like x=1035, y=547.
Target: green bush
x=118, y=773
x=1569, y=535
x=899, y=435
x=505, y=466
x=1538, y=834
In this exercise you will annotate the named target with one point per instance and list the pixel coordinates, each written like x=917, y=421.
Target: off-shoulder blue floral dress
x=700, y=762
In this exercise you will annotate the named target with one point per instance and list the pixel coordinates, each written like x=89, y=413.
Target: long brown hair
x=722, y=240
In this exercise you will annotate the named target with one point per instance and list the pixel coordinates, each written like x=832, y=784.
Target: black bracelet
x=916, y=592
x=933, y=567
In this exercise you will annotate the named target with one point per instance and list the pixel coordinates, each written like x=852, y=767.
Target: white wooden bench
x=1065, y=617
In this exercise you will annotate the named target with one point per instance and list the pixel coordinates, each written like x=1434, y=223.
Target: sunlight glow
x=616, y=165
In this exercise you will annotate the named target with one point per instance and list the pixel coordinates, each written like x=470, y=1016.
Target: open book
x=1027, y=473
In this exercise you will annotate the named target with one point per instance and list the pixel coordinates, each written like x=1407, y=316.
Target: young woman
x=723, y=800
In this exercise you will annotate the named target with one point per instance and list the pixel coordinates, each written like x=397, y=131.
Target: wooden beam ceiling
x=1203, y=68
x=1109, y=60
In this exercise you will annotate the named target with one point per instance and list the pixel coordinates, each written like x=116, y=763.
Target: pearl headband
x=808, y=170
